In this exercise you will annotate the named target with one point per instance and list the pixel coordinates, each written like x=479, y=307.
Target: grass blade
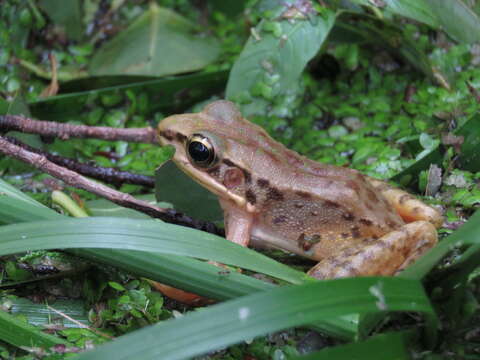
x=143, y=235
x=19, y=333
x=258, y=314
x=392, y=346
x=468, y=234
x=183, y=272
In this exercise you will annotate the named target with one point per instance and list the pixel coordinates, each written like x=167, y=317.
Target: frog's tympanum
x=352, y=224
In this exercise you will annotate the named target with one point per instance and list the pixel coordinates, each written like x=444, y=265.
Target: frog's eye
x=200, y=151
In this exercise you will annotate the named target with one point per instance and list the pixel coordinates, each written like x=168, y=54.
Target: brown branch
x=76, y=180
x=106, y=174
x=66, y=131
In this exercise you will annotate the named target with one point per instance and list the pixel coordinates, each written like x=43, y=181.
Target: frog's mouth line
x=206, y=181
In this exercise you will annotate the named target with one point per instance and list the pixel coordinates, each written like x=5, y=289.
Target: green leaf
x=273, y=60
x=66, y=14
x=414, y=9
x=187, y=196
x=162, y=44
x=162, y=94
x=228, y=323
x=17, y=106
x=418, y=10
x=428, y=142
x=453, y=16
x=140, y=235
x=469, y=155
x=457, y=19
x=116, y=286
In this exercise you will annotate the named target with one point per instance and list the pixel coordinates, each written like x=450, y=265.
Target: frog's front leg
x=384, y=256
x=238, y=223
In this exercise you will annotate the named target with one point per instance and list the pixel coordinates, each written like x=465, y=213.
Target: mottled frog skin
x=352, y=224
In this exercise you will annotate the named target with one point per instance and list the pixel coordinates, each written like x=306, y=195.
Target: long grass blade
x=237, y=320
x=140, y=235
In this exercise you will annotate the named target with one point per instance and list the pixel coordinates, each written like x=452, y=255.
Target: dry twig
x=76, y=180
x=66, y=131
x=106, y=174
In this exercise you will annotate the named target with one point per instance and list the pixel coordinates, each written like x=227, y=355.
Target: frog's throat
x=215, y=187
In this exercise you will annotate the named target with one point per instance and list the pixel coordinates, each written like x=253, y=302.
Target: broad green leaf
x=162, y=95
x=390, y=346
x=245, y=318
x=271, y=63
x=140, y=235
x=158, y=43
x=16, y=106
x=173, y=186
x=417, y=10
x=457, y=19
x=65, y=14
x=453, y=16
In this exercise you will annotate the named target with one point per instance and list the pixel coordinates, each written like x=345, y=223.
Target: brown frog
x=352, y=224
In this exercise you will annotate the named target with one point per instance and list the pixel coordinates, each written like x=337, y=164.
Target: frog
x=349, y=223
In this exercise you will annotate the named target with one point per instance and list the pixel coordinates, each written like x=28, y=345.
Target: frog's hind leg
x=384, y=256
x=407, y=206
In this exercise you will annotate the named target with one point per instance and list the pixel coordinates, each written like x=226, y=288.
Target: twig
x=72, y=178
x=106, y=174
x=65, y=131
x=53, y=87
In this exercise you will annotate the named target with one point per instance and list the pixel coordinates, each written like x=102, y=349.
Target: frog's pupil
x=198, y=151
